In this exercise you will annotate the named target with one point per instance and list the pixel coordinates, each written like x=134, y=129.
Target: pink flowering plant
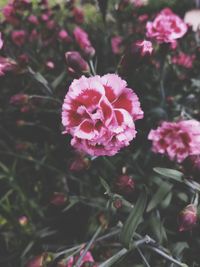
x=100, y=133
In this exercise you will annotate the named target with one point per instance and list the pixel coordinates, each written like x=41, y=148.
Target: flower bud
x=143, y=47
x=19, y=99
x=117, y=203
x=58, y=199
x=76, y=63
x=23, y=220
x=79, y=163
x=37, y=261
x=191, y=166
x=187, y=218
x=125, y=184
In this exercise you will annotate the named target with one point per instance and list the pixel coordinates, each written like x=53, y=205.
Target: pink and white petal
x=114, y=85
x=85, y=130
x=123, y=118
x=107, y=110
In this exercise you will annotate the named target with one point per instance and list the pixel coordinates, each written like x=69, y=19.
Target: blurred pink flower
x=33, y=19
x=64, y=36
x=86, y=259
x=6, y=64
x=184, y=60
x=82, y=39
x=78, y=15
x=18, y=37
x=10, y=14
x=187, y=218
x=167, y=27
x=177, y=140
x=19, y=99
x=99, y=112
x=116, y=44
x=125, y=184
x=50, y=65
x=1, y=41
x=145, y=46
x=192, y=18
x=23, y=220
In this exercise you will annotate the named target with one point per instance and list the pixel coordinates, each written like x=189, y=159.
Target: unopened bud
x=58, y=199
x=76, y=63
x=187, y=218
x=19, y=99
x=39, y=261
x=117, y=203
x=79, y=163
x=125, y=184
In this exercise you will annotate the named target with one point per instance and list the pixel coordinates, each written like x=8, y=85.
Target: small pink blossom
x=177, y=140
x=83, y=41
x=18, y=37
x=76, y=63
x=145, y=46
x=9, y=13
x=167, y=27
x=116, y=44
x=184, y=60
x=1, y=41
x=86, y=259
x=143, y=18
x=99, y=112
x=23, y=220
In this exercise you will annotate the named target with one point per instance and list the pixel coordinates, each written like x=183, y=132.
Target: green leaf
x=133, y=221
x=170, y=173
x=159, y=195
x=58, y=80
x=114, y=258
x=104, y=184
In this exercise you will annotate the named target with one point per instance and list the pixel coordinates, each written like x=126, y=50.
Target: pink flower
x=1, y=41
x=50, y=65
x=33, y=19
x=177, y=140
x=18, y=37
x=184, y=60
x=145, y=46
x=86, y=259
x=99, y=112
x=78, y=15
x=116, y=44
x=6, y=64
x=167, y=27
x=82, y=39
x=64, y=36
x=10, y=14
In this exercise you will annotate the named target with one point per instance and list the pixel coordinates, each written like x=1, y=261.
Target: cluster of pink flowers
x=99, y=112
x=167, y=27
x=177, y=140
x=184, y=60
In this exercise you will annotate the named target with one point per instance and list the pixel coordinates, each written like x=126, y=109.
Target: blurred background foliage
x=51, y=198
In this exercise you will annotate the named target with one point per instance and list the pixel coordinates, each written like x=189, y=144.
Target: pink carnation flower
x=99, y=112
x=145, y=47
x=184, y=60
x=6, y=64
x=167, y=27
x=18, y=37
x=82, y=39
x=86, y=259
x=177, y=139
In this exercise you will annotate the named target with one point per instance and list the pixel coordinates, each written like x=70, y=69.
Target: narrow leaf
x=170, y=173
x=133, y=221
x=159, y=195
